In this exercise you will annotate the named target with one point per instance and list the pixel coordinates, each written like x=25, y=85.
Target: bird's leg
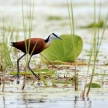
x=31, y=69
x=18, y=74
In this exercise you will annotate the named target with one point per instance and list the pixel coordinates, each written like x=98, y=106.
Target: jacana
x=33, y=46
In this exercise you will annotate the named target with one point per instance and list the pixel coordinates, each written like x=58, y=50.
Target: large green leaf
x=63, y=50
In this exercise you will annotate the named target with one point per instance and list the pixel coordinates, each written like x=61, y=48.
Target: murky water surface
x=51, y=98
x=41, y=97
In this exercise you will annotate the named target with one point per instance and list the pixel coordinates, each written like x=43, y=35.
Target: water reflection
x=28, y=101
x=4, y=101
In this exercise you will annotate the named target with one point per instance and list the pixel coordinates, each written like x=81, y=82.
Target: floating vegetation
x=39, y=71
x=99, y=24
x=58, y=62
x=94, y=85
x=54, y=18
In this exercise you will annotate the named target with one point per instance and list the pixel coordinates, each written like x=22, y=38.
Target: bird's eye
x=53, y=33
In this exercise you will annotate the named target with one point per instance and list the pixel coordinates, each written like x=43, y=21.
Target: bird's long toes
x=18, y=82
x=38, y=77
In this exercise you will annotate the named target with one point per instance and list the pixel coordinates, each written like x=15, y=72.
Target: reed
x=5, y=52
x=96, y=43
x=27, y=34
x=72, y=29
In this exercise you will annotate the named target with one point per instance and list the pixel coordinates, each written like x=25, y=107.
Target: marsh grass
x=5, y=53
x=27, y=34
x=95, y=44
x=8, y=31
x=72, y=28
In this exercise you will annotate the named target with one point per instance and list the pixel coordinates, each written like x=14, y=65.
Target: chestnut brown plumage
x=33, y=46
x=36, y=45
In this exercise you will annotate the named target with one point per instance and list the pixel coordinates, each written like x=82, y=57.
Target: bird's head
x=54, y=36
x=50, y=38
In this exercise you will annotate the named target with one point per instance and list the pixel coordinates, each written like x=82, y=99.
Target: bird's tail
x=12, y=43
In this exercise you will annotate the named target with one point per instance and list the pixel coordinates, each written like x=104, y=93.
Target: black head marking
x=46, y=40
x=55, y=35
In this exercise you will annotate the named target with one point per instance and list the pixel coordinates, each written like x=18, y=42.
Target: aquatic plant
x=98, y=24
x=56, y=18
x=95, y=44
x=63, y=50
x=93, y=85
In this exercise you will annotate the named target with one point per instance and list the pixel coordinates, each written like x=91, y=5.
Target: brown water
x=41, y=97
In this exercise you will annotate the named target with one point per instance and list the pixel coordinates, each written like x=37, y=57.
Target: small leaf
x=39, y=71
x=94, y=85
x=54, y=18
x=99, y=24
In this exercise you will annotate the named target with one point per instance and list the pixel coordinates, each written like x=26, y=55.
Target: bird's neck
x=48, y=41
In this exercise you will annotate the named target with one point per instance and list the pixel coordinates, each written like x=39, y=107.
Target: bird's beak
x=60, y=38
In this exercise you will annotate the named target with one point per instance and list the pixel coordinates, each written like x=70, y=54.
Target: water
x=49, y=97
x=14, y=97
x=32, y=100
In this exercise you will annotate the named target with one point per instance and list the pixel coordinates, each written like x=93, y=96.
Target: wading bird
x=33, y=46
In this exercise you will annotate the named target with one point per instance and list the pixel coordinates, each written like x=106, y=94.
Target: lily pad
x=94, y=85
x=63, y=50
